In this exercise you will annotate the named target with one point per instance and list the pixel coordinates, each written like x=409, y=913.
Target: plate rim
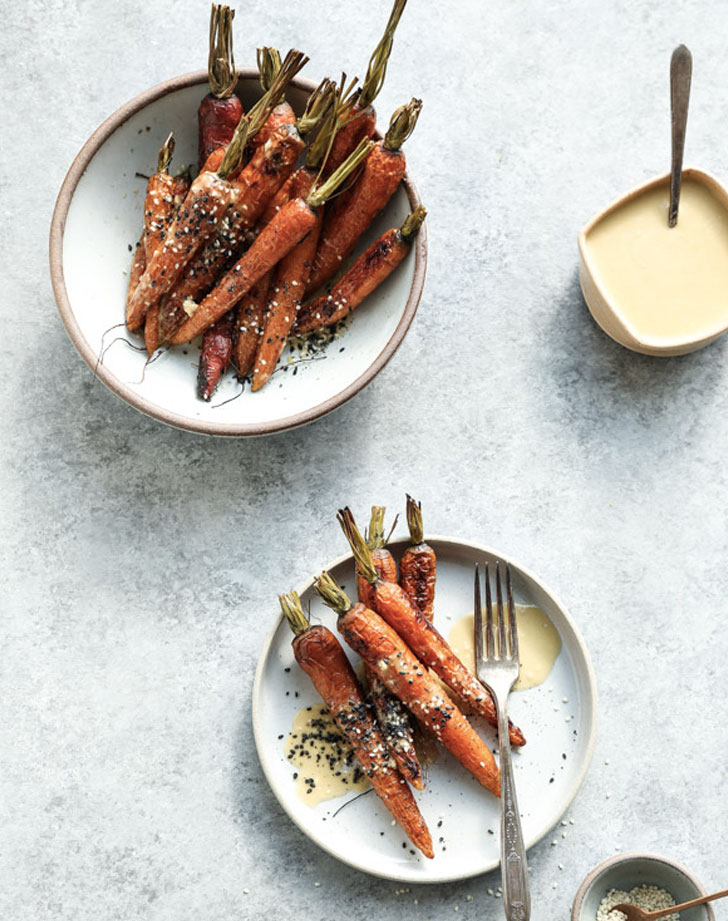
x=593, y=714
x=123, y=390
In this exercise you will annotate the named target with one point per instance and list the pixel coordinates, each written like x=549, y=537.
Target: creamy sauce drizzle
x=669, y=284
x=539, y=645
x=324, y=761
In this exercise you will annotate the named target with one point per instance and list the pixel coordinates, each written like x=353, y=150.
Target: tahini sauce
x=669, y=284
x=538, y=645
x=323, y=759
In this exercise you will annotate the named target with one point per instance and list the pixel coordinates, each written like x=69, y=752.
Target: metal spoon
x=681, y=71
x=639, y=914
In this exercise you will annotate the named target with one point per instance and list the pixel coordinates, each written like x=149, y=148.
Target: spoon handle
x=701, y=901
x=681, y=70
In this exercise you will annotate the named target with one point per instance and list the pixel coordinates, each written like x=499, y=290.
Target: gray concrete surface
x=140, y=564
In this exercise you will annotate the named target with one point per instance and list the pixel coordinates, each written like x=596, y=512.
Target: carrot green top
x=362, y=553
x=342, y=101
x=414, y=518
x=402, y=124
x=322, y=193
x=331, y=594
x=409, y=228
x=294, y=613
x=165, y=154
x=221, y=62
x=377, y=69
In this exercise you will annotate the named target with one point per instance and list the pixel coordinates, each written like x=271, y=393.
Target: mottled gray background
x=140, y=564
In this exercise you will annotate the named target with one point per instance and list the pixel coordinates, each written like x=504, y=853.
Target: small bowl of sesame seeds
x=650, y=881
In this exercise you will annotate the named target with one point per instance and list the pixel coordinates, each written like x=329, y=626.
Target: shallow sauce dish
x=98, y=216
x=549, y=769
x=600, y=297
x=627, y=871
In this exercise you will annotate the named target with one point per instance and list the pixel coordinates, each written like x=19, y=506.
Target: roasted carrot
x=269, y=63
x=138, y=265
x=164, y=197
x=359, y=122
x=393, y=604
x=392, y=715
x=368, y=272
x=251, y=309
x=401, y=671
x=418, y=565
x=256, y=185
x=204, y=207
x=291, y=275
x=221, y=110
x=215, y=356
x=320, y=655
x=295, y=219
x=358, y=206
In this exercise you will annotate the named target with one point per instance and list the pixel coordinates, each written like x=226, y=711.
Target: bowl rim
x=594, y=874
x=90, y=356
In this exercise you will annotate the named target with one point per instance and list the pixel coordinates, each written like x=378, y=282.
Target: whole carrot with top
x=220, y=110
x=418, y=566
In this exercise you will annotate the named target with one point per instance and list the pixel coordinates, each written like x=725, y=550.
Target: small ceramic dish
x=602, y=306
x=626, y=871
x=98, y=219
x=558, y=717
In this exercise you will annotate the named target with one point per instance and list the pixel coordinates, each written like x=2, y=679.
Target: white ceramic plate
x=98, y=217
x=549, y=769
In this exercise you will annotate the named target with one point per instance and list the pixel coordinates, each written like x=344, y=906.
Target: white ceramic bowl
x=98, y=216
x=626, y=871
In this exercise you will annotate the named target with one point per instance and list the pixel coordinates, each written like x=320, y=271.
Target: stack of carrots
x=249, y=255
x=391, y=628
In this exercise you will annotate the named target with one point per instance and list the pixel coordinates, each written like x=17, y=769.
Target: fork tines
x=506, y=647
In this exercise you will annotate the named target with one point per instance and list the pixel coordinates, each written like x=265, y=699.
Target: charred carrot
x=295, y=219
x=320, y=655
x=356, y=209
x=392, y=715
x=256, y=185
x=138, y=265
x=386, y=652
x=392, y=603
x=368, y=272
x=269, y=63
x=360, y=121
x=251, y=309
x=418, y=566
x=164, y=197
x=291, y=275
x=206, y=203
x=221, y=110
x=215, y=356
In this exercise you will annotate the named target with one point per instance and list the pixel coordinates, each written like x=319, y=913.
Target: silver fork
x=496, y=659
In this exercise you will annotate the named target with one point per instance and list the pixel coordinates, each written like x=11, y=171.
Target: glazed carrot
x=392, y=715
x=295, y=219
x=138, y=265
x=418, y=566
x=269, y=63
x=164, y=197
x=221, y=110
x=401, y=671
x=320, y=655
x=358, y=206
x=368, y=272
x=251, y=309
x=360, y=121
x=423, y=639
x=215, y=356
x=204, y=207
x=256, y=185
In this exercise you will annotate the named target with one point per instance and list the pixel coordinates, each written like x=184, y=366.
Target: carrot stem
x=165, y=154
x=323, y=192
x=412, y=223
x=362, y=553
x=293, y=610
x=269, y=64
x=377, y=69
x=221, y=62
x=332, y=594
x=375, y=533
x=414, y=520
x=402, y=124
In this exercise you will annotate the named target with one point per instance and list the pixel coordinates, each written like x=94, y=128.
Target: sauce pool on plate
x=539, y=645
x=669, y=285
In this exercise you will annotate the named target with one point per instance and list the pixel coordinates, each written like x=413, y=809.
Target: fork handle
x=514, y=869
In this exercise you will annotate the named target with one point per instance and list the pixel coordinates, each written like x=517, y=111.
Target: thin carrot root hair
x=362, y=553
x=414, y=520
x=377, y=68
x=332, y=595
x=293, y=611
x=221, y=72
